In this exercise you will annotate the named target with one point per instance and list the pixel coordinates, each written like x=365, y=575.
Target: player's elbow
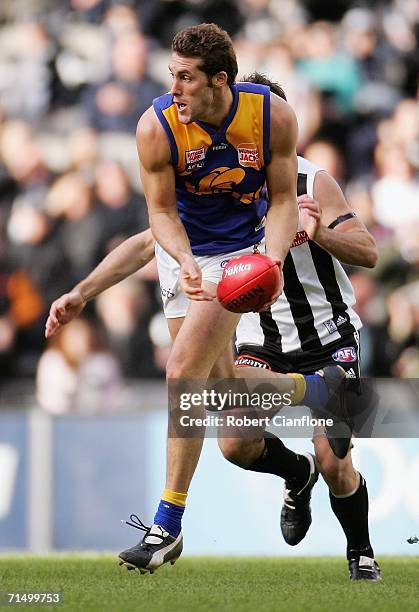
x=371, y=256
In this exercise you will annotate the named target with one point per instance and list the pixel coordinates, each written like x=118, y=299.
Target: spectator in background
x=117, y=103
x=122, y=212
x=23, y=161
x=124, y=311
x=301, y=94
x=332, y=70
x=395, y=192
x=83, y=150
x=77, y=371
x=70, y=201
x=26, y=52
x=326, y=155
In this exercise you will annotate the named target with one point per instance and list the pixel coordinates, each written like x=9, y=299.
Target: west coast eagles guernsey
x=316, y=306
x=220, y=173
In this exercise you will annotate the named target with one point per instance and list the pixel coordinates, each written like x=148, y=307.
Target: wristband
x=341, y=219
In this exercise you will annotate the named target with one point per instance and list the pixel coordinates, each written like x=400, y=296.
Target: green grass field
x=96, y=582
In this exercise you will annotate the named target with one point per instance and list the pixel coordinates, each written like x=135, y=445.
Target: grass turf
x=95, y=582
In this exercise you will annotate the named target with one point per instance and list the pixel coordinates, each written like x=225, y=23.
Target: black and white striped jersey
x=316, y=306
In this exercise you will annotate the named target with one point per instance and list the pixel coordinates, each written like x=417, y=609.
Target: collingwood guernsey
x=316, y=306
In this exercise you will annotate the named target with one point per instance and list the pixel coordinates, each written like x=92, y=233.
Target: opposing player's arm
x=158, y=178
x=349, y=240
x=281, y=177
x=128, y=257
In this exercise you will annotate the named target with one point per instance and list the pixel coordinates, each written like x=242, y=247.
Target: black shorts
x=343, y=352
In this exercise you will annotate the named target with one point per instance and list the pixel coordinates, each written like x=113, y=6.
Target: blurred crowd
x=75, y=75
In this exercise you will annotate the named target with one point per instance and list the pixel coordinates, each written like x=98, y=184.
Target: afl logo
x=345, y=355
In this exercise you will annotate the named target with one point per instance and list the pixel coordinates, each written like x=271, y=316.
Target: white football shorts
x=175, y=302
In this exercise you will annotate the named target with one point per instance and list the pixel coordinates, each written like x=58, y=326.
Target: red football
x=248, y=283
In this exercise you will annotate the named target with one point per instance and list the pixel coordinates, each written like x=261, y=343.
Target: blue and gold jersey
x=220, y=172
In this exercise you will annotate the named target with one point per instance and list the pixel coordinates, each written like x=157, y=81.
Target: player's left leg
x=265, y=453
x=349, y=501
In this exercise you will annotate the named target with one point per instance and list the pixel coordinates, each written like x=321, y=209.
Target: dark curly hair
x=212, y=45
x=262, y=79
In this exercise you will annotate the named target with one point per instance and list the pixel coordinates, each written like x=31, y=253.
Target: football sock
x=317, y=392
x=352, y=513
x=277, y=459
x=300, y=388
x=310, y=389
x=170, y=511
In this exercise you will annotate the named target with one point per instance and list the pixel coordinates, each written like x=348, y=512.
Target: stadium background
x=82, y=418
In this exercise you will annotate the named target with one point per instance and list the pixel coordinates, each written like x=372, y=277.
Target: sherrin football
x=248, y=283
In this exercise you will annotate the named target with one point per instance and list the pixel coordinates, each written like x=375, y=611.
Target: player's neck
x=218, y=111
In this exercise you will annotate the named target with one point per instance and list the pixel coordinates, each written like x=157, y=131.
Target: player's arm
x=281, y=179
x=131, y=255
x=158, y=178
x=347, y=238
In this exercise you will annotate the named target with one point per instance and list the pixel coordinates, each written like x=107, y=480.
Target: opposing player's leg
x=266, y=453
x=198, y=340
x=323, y=392
x=349, y=501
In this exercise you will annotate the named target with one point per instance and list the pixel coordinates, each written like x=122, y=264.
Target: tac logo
x=194, y=158
x=237, y=269
x=248, y=155
x=243, y=361
x=345, y=355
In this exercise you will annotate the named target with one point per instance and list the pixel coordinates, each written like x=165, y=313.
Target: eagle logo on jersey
x=223, y=180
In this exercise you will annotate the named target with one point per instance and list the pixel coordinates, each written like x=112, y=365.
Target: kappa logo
x=248, y=155
x=345, y=355
x=194, y=158
x=236, y=269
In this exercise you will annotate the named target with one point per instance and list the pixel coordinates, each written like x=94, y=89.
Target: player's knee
x=336, y=472
x=180, y=368
x=238, y=451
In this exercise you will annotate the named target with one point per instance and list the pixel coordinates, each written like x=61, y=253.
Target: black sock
x=277, y=459
x=352, y=514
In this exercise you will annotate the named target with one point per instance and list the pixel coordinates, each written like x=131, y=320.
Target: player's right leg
x=204, y=333
x=349, y=501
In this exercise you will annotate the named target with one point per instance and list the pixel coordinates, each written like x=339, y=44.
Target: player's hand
x=191, y=281
x=63, y=310
x=278, y=292
x=310, y=215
